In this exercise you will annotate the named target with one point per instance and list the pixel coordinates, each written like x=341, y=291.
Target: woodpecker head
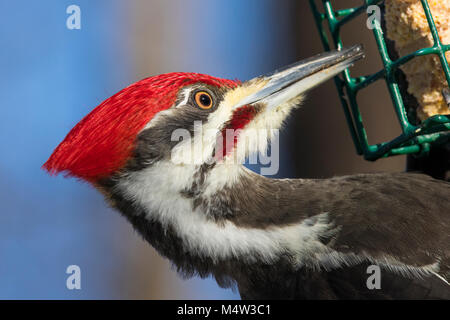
x=187, y=120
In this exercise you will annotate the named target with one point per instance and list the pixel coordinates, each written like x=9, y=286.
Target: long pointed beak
x=290, y=82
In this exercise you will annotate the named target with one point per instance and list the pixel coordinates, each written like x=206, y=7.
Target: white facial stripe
x=185, y=93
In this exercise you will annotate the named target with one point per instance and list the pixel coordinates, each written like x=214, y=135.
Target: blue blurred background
x=52, y=76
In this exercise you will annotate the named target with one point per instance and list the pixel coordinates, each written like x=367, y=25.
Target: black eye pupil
x=205, y=100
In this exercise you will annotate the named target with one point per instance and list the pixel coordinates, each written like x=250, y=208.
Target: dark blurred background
x=52, y=76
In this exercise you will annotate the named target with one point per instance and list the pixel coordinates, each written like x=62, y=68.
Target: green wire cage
x=414, y=139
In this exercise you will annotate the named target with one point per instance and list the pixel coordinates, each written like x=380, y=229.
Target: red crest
x=102, y=142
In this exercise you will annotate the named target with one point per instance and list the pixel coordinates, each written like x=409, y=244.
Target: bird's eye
x=203, y=100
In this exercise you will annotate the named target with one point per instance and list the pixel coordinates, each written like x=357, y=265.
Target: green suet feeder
x=415, y=139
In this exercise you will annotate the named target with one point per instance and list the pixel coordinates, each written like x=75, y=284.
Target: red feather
x=240, y=118
x=102, y=142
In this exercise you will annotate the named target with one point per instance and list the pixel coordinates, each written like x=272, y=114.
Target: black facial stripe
x=155, y=143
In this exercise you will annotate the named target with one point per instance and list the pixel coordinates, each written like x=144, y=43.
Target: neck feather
x=217, y=214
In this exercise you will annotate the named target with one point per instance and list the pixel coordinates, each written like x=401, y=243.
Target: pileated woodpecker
x=274, y=238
